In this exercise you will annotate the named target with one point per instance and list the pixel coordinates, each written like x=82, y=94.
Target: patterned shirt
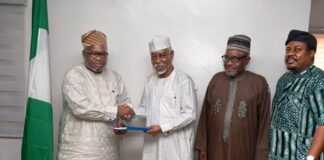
x=298, y=108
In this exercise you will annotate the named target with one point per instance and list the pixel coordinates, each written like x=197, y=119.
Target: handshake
x=125, y=112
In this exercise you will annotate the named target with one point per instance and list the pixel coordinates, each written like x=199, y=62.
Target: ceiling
x=316, y=22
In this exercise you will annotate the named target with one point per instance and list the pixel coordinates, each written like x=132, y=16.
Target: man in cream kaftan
x=92, y=99
x=90, y=106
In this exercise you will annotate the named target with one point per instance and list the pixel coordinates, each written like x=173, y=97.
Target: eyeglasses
x=226, y=59
x=93, y=54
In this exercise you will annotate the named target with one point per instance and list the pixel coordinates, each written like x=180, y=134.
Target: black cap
x=302, y=36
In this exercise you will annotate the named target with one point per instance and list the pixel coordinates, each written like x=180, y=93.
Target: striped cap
x=239, y=42
x=93, y=37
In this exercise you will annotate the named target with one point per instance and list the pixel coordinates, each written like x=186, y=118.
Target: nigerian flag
x=38, y=130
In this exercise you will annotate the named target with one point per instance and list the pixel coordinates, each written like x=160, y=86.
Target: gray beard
x=231, y=73
x=161, y=72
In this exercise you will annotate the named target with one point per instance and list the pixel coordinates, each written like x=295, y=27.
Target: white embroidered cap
x=159, y=42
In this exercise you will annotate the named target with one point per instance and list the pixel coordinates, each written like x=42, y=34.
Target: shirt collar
x=239, y=77
x=304, y=72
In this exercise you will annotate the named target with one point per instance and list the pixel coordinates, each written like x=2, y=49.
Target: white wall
x=198, y=32
x=10, y=148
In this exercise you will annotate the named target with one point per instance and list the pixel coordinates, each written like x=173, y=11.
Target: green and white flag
x=38, y=130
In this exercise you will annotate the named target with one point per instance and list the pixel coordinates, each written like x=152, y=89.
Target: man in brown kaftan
x=234, y=120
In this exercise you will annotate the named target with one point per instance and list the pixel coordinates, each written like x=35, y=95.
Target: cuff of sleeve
x=262, y=153
x=166, y=128
x=320, y=121
x=139, y=111
x=310, y=157
x=130, y=105
x=110, y=113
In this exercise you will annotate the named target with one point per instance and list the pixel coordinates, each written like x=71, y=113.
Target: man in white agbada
x=93, y=97
x=169, y=100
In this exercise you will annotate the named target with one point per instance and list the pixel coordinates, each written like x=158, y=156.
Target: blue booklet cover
x=133, y=128
x=136, y=128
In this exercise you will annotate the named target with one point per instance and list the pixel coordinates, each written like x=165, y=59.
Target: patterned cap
x=302, y=36
x=93, y=37
x=239, y=42
x=159, y=43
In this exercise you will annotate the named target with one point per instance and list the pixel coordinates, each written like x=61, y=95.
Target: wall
x=10, y=148
x=198, y=32
x=316, y=22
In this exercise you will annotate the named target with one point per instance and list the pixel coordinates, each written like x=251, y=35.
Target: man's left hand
x=154, y=130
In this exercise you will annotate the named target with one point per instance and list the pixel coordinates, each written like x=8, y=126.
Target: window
x=319, y=56
x=12, y=68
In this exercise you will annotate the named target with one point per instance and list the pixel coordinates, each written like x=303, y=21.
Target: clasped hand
x=125, y=112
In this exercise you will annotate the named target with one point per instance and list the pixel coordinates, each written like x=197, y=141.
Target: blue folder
x=133, y=128
x=136, y=128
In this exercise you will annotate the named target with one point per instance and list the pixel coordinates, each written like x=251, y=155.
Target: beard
x=160, y=69
x=161, y=72
x=231, y=73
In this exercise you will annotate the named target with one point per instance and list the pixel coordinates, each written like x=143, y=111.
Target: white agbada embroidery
x=170, y=102
x=90, y=105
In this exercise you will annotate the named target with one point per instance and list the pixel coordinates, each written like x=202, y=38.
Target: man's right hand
x=125, y=112
x=202, y=155
x=119, y=132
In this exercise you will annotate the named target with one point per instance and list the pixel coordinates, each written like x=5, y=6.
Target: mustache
x=158, y=65
x=291, y=57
